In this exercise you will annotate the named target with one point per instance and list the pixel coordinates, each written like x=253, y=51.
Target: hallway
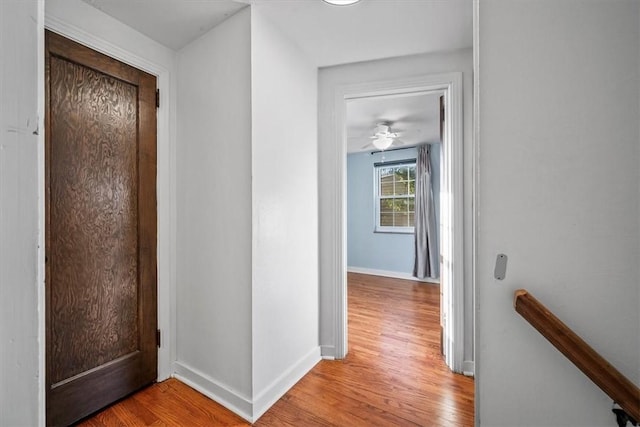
x=393, y=375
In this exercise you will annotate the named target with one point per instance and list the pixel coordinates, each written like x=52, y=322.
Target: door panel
x=94, y=219
x=100, y=230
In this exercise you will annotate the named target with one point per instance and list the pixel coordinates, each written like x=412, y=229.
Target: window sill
x=391, y=230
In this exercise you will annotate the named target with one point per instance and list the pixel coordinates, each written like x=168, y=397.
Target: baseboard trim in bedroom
x=392, y=274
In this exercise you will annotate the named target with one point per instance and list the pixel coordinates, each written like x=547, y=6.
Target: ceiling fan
x=383, y=137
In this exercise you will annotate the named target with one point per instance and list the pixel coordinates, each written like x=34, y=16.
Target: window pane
x=386, y=205
x=386, y=219
x=401, y=219
x=400, y=205
x=386, y=186
x=402, y=172
x=412, y=172
x=412, y=219
x=385, y=171
x=401, y=187
x=412, y=187
x=412, y=205
x=387, y=174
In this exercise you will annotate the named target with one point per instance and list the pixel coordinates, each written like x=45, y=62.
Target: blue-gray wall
x=379, y=251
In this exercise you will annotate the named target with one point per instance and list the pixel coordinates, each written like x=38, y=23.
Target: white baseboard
x=206, y=385
x=393, y=274
x=468, y=368
x=328, y=352
x=274, y=391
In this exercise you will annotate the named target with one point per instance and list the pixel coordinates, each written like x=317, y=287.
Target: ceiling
x=414, y=117
x=372, y=29
x=173, y=23
x=328, y=35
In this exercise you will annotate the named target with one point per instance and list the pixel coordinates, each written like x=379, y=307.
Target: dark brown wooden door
x=100, y=230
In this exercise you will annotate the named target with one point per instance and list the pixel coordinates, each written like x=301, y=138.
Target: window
x=395, y=192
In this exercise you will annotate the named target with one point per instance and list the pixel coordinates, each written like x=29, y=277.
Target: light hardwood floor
x=393, y=375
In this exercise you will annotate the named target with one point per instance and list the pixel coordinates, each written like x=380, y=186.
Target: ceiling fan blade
x=411, y=118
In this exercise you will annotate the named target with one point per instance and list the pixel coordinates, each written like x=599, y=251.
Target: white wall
x=20, y=29
x=285, y=213
x=213, y=311
x=87, y=25
x=247, y=273
x=559, y=193
x=388, y=69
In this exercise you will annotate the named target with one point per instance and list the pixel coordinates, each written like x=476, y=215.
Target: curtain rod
x=403, y=148
x=393, y=149
x=394, y=162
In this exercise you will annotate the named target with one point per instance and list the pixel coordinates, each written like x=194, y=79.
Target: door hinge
x=158, y=337
x=157, y=98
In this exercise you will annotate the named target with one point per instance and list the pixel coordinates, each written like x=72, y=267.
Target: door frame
x=165, y=195
x=451, y=210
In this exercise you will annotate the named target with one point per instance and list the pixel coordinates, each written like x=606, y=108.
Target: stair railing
x=623, y=392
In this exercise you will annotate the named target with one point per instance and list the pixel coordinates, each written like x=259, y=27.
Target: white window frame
x=376, y=198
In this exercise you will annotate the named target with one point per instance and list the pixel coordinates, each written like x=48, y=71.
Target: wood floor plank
x=392, y=376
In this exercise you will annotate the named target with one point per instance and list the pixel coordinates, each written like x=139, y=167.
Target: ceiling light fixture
x=382, y=142
x=383, y=137
x=341, y=2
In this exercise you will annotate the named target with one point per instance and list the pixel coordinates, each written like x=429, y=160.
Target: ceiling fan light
x=382, y=143
x=382, y=129
x=341, y=2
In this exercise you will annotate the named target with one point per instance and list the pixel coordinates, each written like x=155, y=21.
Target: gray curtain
x=426, y=250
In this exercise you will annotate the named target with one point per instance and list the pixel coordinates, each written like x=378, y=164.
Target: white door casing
x=451, y=205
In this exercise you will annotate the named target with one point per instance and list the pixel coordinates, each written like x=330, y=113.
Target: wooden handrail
x=594, y=366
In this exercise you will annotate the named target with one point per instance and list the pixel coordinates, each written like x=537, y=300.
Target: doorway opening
x=451, y=200
x=393, y=178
